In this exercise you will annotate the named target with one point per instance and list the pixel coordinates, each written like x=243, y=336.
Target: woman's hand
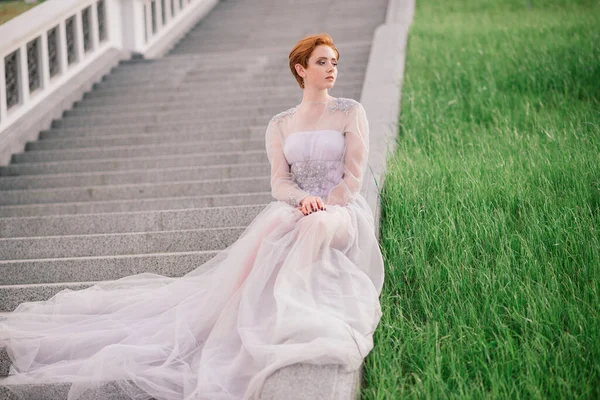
x=311, y=204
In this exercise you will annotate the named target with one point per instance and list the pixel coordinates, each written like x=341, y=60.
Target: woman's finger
x=306, y=208
x=321, y=204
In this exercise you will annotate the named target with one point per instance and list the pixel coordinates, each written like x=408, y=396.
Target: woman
x=301, y=284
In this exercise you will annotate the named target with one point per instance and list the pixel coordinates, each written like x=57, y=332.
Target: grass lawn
x=10, y=9
x=491, y=207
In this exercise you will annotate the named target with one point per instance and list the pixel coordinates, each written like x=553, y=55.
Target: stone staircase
x=163, y=163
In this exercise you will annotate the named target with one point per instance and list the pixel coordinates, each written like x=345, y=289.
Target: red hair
x=304, y=48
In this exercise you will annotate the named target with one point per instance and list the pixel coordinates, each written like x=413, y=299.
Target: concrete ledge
x=309, y=381
x=381, y=96
x=28, y=127
x=169, y=40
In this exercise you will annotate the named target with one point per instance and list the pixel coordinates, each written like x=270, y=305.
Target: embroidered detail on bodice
x=343, y=104
x=316, y=177
x=283, y=114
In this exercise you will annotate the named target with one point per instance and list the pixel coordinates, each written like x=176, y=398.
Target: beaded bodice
x=315, y=159
x=319, y=149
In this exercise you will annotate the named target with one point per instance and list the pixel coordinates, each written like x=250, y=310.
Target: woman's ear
x=300, y=70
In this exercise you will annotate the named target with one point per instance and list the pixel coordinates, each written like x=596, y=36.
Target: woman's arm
x=283, y=186
x=355, y=158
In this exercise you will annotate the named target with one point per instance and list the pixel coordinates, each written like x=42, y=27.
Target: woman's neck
x=315, y=96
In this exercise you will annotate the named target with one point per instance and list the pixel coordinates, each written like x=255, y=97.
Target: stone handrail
x=43, y=48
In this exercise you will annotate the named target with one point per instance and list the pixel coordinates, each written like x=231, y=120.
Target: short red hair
x=304, y=48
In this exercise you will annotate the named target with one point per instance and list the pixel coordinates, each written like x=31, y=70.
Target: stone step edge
x=143, y=132
x=117, y=159
x=142, y=146
x=82, y=203
x=221, y=228
x=129, y=185
x=175, y=253
x=106, y=214
x=121, y=172
x=234, y=54
x=51, y=137
x=211, y=89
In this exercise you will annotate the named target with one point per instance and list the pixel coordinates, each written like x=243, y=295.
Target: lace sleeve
x=283, y=186
x=356, y=154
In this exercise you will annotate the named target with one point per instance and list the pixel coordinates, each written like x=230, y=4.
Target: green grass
x=491, y=207
x=10, y=9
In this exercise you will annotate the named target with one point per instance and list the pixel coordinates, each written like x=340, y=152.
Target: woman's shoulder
x=345, y=105
x=283, y=114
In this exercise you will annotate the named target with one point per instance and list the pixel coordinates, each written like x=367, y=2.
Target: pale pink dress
x=291, y=289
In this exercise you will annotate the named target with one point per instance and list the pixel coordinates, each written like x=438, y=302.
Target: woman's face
x=321, y=69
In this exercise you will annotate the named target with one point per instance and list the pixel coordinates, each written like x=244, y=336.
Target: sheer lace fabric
x=331, y=165
x=291, y=289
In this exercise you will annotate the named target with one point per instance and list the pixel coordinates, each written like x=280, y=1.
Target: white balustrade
x=46, y=46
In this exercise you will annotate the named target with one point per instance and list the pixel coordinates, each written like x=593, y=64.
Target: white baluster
x=94, y=27
x=23, y=73
x=159, y=23
x=44, y=61
x=79, y=36
x=62, y=47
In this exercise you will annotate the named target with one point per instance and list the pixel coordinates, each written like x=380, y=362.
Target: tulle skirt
x=291, y=289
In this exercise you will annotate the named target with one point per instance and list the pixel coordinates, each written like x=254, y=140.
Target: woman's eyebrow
x=333, y=58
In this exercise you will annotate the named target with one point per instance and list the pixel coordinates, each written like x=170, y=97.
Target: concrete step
x=197, y=46
x=174, y=134
x=75, y=138
x=281, y=8
x=59, y=391
x=351, y=64
x=135, y=191
x=232, y=58
x=229, y=92
x=95, y=153
x=284, y=101
x=209, y=80
x=277, y=56
x=193, y=67
x=121, y=222
x=184, y=108
x=13, y=295
x=135, y=163
x=176, y=68
x=215, y=88
x=109, y=244
x=134, y=176
x=217, y=122
x=164, y=203
x=279, y=40
x=291, y=92
x=202, y=113
x=64, y=270
x=282, y=31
